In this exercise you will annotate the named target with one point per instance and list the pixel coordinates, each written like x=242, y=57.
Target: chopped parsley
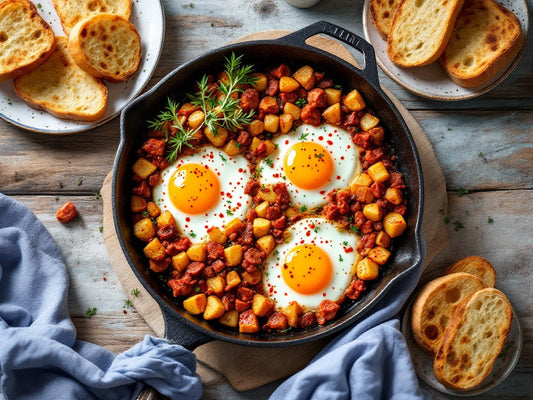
x=193, y=234
x=229, y=212
x=301, y=102
x=127, y=304
x=319, y=155
x=458, y=225
x=355, y=229
x=238, y=145
x=61, y=185
x=303, y=136
x=80, y=181
x=268, y=161
x=96, y=195
x=90, y=311
x=462, y=191
x=135, y=292
x=223, y=158
x=101, y=229
x=338, y=87
x=340, y=258
x=482, y=156
x=490, y=220
x=345, y=243
x=303, y=208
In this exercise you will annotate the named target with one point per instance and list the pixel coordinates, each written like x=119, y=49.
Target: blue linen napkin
x=40, y=357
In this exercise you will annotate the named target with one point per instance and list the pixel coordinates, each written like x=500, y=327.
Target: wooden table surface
x=484, y=146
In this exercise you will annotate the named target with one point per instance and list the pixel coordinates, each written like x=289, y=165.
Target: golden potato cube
x=266, y=243
x=233, y=255
x=223, y=77
x=230, y=318
x=197, y=252
x=252, y=278
x=165, y=219
x=255, y=143
x=217, y=138
x=232, y=148
x=368, y=121
x=261, y=209
x=354, y=101
x=288, y=84
x=382, y=239
x=216, y=285
x=195, y=304
x=256, y=127
x=270, y=146
x=394, y=196
x=180, y=261
x=362, y=180
x=217, y=235
x=332, y=114
x=378, y=172
x=394, y=224
x=271, y=122
x=362, y=194
x=292, y=312
x=267, y=194
x=214, y=308
x=333, y=95
x=137, y=204
x=143, y=168
x=187, y=109
x=234, y=226
x=377, y=135
x=367, y=269
x=261, y=226
x=293, y=109
x=248, y=322
x=260, y=82
x=379, y=255
x=261, y=305
x=155, y=250
x=305, y=77
x=291, y=212
x=372, y=212
x=196, y=119
x=232, y=280
x=285, y=122
x=153, y=210
x=144, y=229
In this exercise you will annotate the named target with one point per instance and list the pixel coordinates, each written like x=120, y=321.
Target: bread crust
x=476, y=266
x=382, y=13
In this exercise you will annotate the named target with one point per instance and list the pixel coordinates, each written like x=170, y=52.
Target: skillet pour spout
x=293, y=50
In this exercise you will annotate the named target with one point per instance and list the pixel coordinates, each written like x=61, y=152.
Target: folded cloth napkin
x=40, y=357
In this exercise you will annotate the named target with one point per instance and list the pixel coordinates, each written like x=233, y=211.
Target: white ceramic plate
x=431, y=81
x=149, y=19
x=506, y=361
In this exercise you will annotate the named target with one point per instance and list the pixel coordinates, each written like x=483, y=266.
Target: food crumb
x=67, y=212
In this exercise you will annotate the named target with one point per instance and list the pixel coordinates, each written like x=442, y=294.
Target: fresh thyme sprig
x=182, y=137
x=168, y=114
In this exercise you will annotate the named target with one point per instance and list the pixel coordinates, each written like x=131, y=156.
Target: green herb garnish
x=301, y=102
x=462, y=191
x=90, y=311
x=303, y=136
x=490, y=220
x=135, y=292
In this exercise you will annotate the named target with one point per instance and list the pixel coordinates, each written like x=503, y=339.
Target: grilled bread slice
x=106, y=46
x=382, y=13
x=486, y=38
x=434, y=305
x=61, y=88
x=476, y=266
x=473, y=339
x=72, y=11
x=26, y=40
x=421, y=30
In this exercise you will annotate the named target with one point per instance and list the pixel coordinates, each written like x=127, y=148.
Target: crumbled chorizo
x=317, y=98
x=311, y=115
x=327, y=310
x=67, y=212
x=249, y=99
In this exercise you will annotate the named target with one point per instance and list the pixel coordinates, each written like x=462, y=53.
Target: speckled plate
x=431, y=81
x=506, y=361
x=149, y=19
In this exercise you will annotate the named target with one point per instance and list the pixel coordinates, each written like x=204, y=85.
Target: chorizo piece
x=67, y=212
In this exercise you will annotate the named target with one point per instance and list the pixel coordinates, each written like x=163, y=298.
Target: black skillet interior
x=292, y=50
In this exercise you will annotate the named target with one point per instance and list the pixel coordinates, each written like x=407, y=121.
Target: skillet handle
x=182, y=332
x=369, y=70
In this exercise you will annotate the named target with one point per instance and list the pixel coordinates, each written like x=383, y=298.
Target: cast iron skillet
x=190, y=331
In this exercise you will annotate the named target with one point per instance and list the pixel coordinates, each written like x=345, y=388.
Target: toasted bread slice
x=61, y=88
x=473, y=339
x=486, y=38
x=382, y=13
x=26, y=40
x=106, y=46
x=421, y=30
x=434, y=305
x=476, y=266
x=71, y=12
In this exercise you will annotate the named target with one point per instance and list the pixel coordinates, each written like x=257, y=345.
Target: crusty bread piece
x=26, y=40
x=434, y=305
x=72, y=11
x=486, y=38
x=476, y=266
x=61, y=88
x=106, y=46
x=382, y=13
x=421, y=30
x=473, y=339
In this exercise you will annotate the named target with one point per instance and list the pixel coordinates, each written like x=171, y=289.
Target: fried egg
x=312, y=161
x=317, y=261
x=204, y=189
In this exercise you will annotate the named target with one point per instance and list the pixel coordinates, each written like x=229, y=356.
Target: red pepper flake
x=348, y=249
x=321, y=138
x=124, y=312
x=330, y=142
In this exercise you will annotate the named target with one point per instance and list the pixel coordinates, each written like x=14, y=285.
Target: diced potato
x=372, y=212
x=305, y=77
x=354, y=101
x=158, y=266
x=234, y=226
x=261, y=305
x=260, y=82
x=233, y=255
x=394, y=224
x=285, y=122
x=379, y=255
x=232, y=280
x=362, y=180
x=165, y=219
x=378, y=172
x=216, y=285
x=291, y=212
x=214, y=308
x=271, y=122
x=288, y=84
x=255, y=143
x=252, y=278
x=187, y=109
x=196, y=119
x=153, y=210
x=333, y=95
x=367, y=269
x=394, y=196
x=197, y=252
x=180, y=261
x=230, y=318
x=293, y=109
x=137, y=204
x=261, y=209
x=217, y=235
x=266, y=243
x=332, y=114
x=256, y=127
x=155, y=250
x=143, y=168
x=268, y=194
x=248, y=322
x=362, y=194
x=144, y=229
x=195, y=304
x=217, y=138
x=368, y=121
x=382, y=239
x=270, y=146
x=292, y=312
x=232, y=148
x=377, y=135
x=223, y=77
x=261, y=226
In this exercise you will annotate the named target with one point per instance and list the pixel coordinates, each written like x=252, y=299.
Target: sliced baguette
x=382, y=13
x=61, y=88
x=71, y=12
x=434, y=305
x=473, y=339
x=476, y=266
x=26, y=40
x=486, y=38
x=106, y=46
x=421, y=30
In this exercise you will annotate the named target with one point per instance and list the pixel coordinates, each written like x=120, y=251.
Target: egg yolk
x=194, y=188
x=308, y=165
x=307, y=269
